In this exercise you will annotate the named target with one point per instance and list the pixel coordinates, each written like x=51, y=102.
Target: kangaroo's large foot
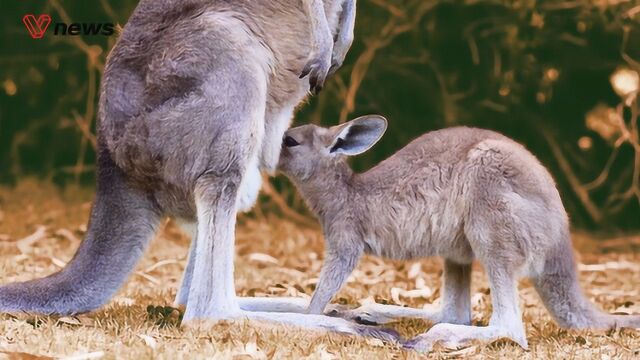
x=306, y=321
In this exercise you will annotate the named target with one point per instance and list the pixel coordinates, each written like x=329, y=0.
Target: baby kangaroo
x=458, y=193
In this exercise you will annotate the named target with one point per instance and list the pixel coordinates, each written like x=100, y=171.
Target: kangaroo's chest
x=287, y=33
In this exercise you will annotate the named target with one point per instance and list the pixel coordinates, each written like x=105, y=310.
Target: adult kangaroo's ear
x=356, y=136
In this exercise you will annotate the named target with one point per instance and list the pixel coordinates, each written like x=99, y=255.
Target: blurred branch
x=281, y=204
x=94, y=65
x=580, y=190
x=396, y=25
x=630, y=135
x=108, y=9
x=604, y=174
x=77, y=41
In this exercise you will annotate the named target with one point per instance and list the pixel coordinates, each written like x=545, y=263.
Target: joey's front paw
x=317, y=68
x=364, y=315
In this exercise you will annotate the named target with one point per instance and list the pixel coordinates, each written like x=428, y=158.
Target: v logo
x=36, y=27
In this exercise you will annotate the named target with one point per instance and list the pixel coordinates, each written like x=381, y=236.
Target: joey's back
x=419, y=201
x=427, y=198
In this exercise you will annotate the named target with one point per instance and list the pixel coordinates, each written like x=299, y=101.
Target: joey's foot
x=424, y=343
x=384, y=334
x=317, y=68
x=452, y=336
x=378, y=314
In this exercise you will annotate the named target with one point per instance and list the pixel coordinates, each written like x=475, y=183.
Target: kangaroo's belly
x=432, y=240
x=432, y=226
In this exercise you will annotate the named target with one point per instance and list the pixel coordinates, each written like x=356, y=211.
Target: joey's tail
x=561, y=293
x=122, y=221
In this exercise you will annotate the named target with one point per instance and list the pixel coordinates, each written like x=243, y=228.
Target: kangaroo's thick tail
x=561, y=293
x=123, y=219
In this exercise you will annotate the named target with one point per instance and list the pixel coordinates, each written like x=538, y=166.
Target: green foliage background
x=529, y=69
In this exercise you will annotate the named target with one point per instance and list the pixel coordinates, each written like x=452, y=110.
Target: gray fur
x=195, y=99
x=121, y=215
x=458, y=193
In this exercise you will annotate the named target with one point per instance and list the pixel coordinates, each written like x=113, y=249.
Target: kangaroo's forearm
x=320, y=31
x=347, y=24
x=335, y=271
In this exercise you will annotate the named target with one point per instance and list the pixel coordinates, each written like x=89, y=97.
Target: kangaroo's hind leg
x=496, y=235
x=505, y=321
x=455, y=303
x=212, y=293
x=183, y=292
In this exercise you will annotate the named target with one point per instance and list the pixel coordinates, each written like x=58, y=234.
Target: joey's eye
x=290, y=142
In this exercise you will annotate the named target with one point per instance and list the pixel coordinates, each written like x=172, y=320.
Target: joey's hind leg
x=456, y=295
x=506, y=321
x=455, y=303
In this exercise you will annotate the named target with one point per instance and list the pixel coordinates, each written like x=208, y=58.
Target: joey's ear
x=356, y=136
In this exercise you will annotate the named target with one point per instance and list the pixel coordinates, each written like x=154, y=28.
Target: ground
x=41, y=226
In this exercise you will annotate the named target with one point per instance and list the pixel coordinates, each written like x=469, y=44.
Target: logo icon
x=36, y=27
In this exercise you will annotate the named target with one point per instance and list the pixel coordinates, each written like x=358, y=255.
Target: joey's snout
x=288, y=142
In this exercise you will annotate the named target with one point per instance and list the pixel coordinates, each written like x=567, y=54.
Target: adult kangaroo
x=195, y=98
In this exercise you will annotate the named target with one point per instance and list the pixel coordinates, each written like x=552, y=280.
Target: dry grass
x=274, y=258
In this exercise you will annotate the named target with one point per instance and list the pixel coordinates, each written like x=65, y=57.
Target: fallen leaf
x=611, y=265
x=57, y=262
x=25, y=244
x=260, y=257
x=397, y=293
x=414, y=270
x=124, y=300
x=67, y=234
x=149, y=341
x=150, y=278
x=375, y=342
x=160, y=264
x=69, y=321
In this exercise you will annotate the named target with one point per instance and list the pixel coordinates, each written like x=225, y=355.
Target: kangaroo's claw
x=317, y=69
